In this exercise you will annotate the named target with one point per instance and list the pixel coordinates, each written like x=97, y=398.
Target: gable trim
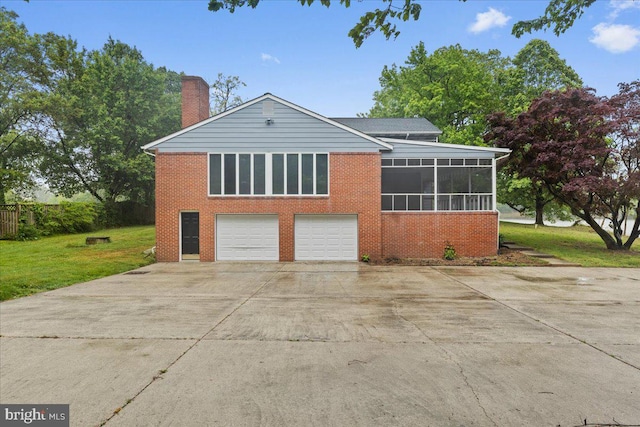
x=302, y=110
x=495, y=150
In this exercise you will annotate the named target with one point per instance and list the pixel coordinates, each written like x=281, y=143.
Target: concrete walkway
x=331, y=344
x=549, y=259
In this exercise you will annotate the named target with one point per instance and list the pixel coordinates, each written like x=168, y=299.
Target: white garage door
x=247, y=238
x=326, y=237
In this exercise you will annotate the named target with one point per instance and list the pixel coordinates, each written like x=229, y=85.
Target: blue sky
x=303, y=54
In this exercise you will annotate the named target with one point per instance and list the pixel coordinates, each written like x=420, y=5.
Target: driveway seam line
x=539, y=320
x=449, y=356
x=198, y=340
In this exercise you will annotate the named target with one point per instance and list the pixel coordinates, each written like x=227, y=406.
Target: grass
x=54, y=262
x=576, y=244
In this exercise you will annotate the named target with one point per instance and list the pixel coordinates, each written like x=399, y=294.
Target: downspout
x=495, y=193
x=495, y=180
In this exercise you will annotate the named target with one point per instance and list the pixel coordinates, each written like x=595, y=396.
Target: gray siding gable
x=413, y=128
x=244, y=129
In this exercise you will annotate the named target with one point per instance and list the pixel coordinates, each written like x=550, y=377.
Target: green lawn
x=576, y=244
x=58, y=261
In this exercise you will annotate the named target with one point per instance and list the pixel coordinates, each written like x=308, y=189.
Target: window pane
x=443, y=203
x=322, y=174
x=414, y=203
x=215, y=174
x=407, y=180
x=427, y=203
x=292, y=174
x=245, y=173
x=485, y=162
x=307, y=174
x=457, y=162
x=278, y=174
x=413, y=162
x=471, y=162
x=481, y=181
x=427, y=162
x=229, y=174
x=472, y=203
x=399, y=203
x=453, y=180
x=387, y=162
x=387, y=203
x=400, y=162
x=258, y=174
x=443, y=162
x=457, y=203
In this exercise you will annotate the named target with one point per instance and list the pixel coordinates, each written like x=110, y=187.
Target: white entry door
x=247, y=238
x=326, y=237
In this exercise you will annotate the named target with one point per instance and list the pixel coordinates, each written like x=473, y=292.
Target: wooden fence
x=127, y=213
x=10, y=217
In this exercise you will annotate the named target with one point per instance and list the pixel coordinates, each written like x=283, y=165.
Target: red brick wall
x=181, y=185
x=425, y=234
x=195, y=100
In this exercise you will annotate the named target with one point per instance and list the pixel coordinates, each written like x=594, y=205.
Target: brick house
x=270, y=180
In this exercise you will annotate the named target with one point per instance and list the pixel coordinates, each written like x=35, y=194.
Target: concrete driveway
x=331, y=344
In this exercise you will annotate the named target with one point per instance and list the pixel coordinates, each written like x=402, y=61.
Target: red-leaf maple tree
x=585, y=150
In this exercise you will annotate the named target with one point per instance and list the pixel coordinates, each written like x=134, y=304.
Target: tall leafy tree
x=559, y=16
x=22, y=71
x=454, y=88
x=536, y=68
x=103, y=107
x=584, y=150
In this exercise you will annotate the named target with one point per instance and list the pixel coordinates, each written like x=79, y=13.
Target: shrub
x=38, y=220
x=449, y=252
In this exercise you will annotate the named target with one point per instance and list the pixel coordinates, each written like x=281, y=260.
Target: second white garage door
x=247, y=238
x=326, y=237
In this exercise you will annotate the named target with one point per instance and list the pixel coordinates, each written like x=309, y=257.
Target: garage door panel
x=247, y=238
x=326, y=237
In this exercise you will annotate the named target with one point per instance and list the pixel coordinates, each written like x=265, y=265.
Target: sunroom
x=431, y=176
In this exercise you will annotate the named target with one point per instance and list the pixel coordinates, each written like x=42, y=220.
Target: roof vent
x=267, y=108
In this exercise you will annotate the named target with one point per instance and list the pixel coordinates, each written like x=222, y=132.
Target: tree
x=454, y=88
x=583, y=149
x=224, y=93
x=22, y=70
x=103, y=107
x=537, y=67
x=559, y=15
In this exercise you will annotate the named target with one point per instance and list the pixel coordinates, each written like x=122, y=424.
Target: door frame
x=193, y=258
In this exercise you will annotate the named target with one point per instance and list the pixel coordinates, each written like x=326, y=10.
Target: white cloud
x=615, y=38
x=487, y=20
x=620, y=5
x=269, y=58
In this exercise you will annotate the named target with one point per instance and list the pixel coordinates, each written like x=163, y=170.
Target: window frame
x=268, y=174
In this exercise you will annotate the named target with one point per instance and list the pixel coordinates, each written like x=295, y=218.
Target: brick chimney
x=195, y=100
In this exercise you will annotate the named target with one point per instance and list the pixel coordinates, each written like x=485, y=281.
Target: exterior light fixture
x=269, y=122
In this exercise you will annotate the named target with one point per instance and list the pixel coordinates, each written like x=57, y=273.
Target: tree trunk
x=604, y=235
x=635, y=231
x=540, y=203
